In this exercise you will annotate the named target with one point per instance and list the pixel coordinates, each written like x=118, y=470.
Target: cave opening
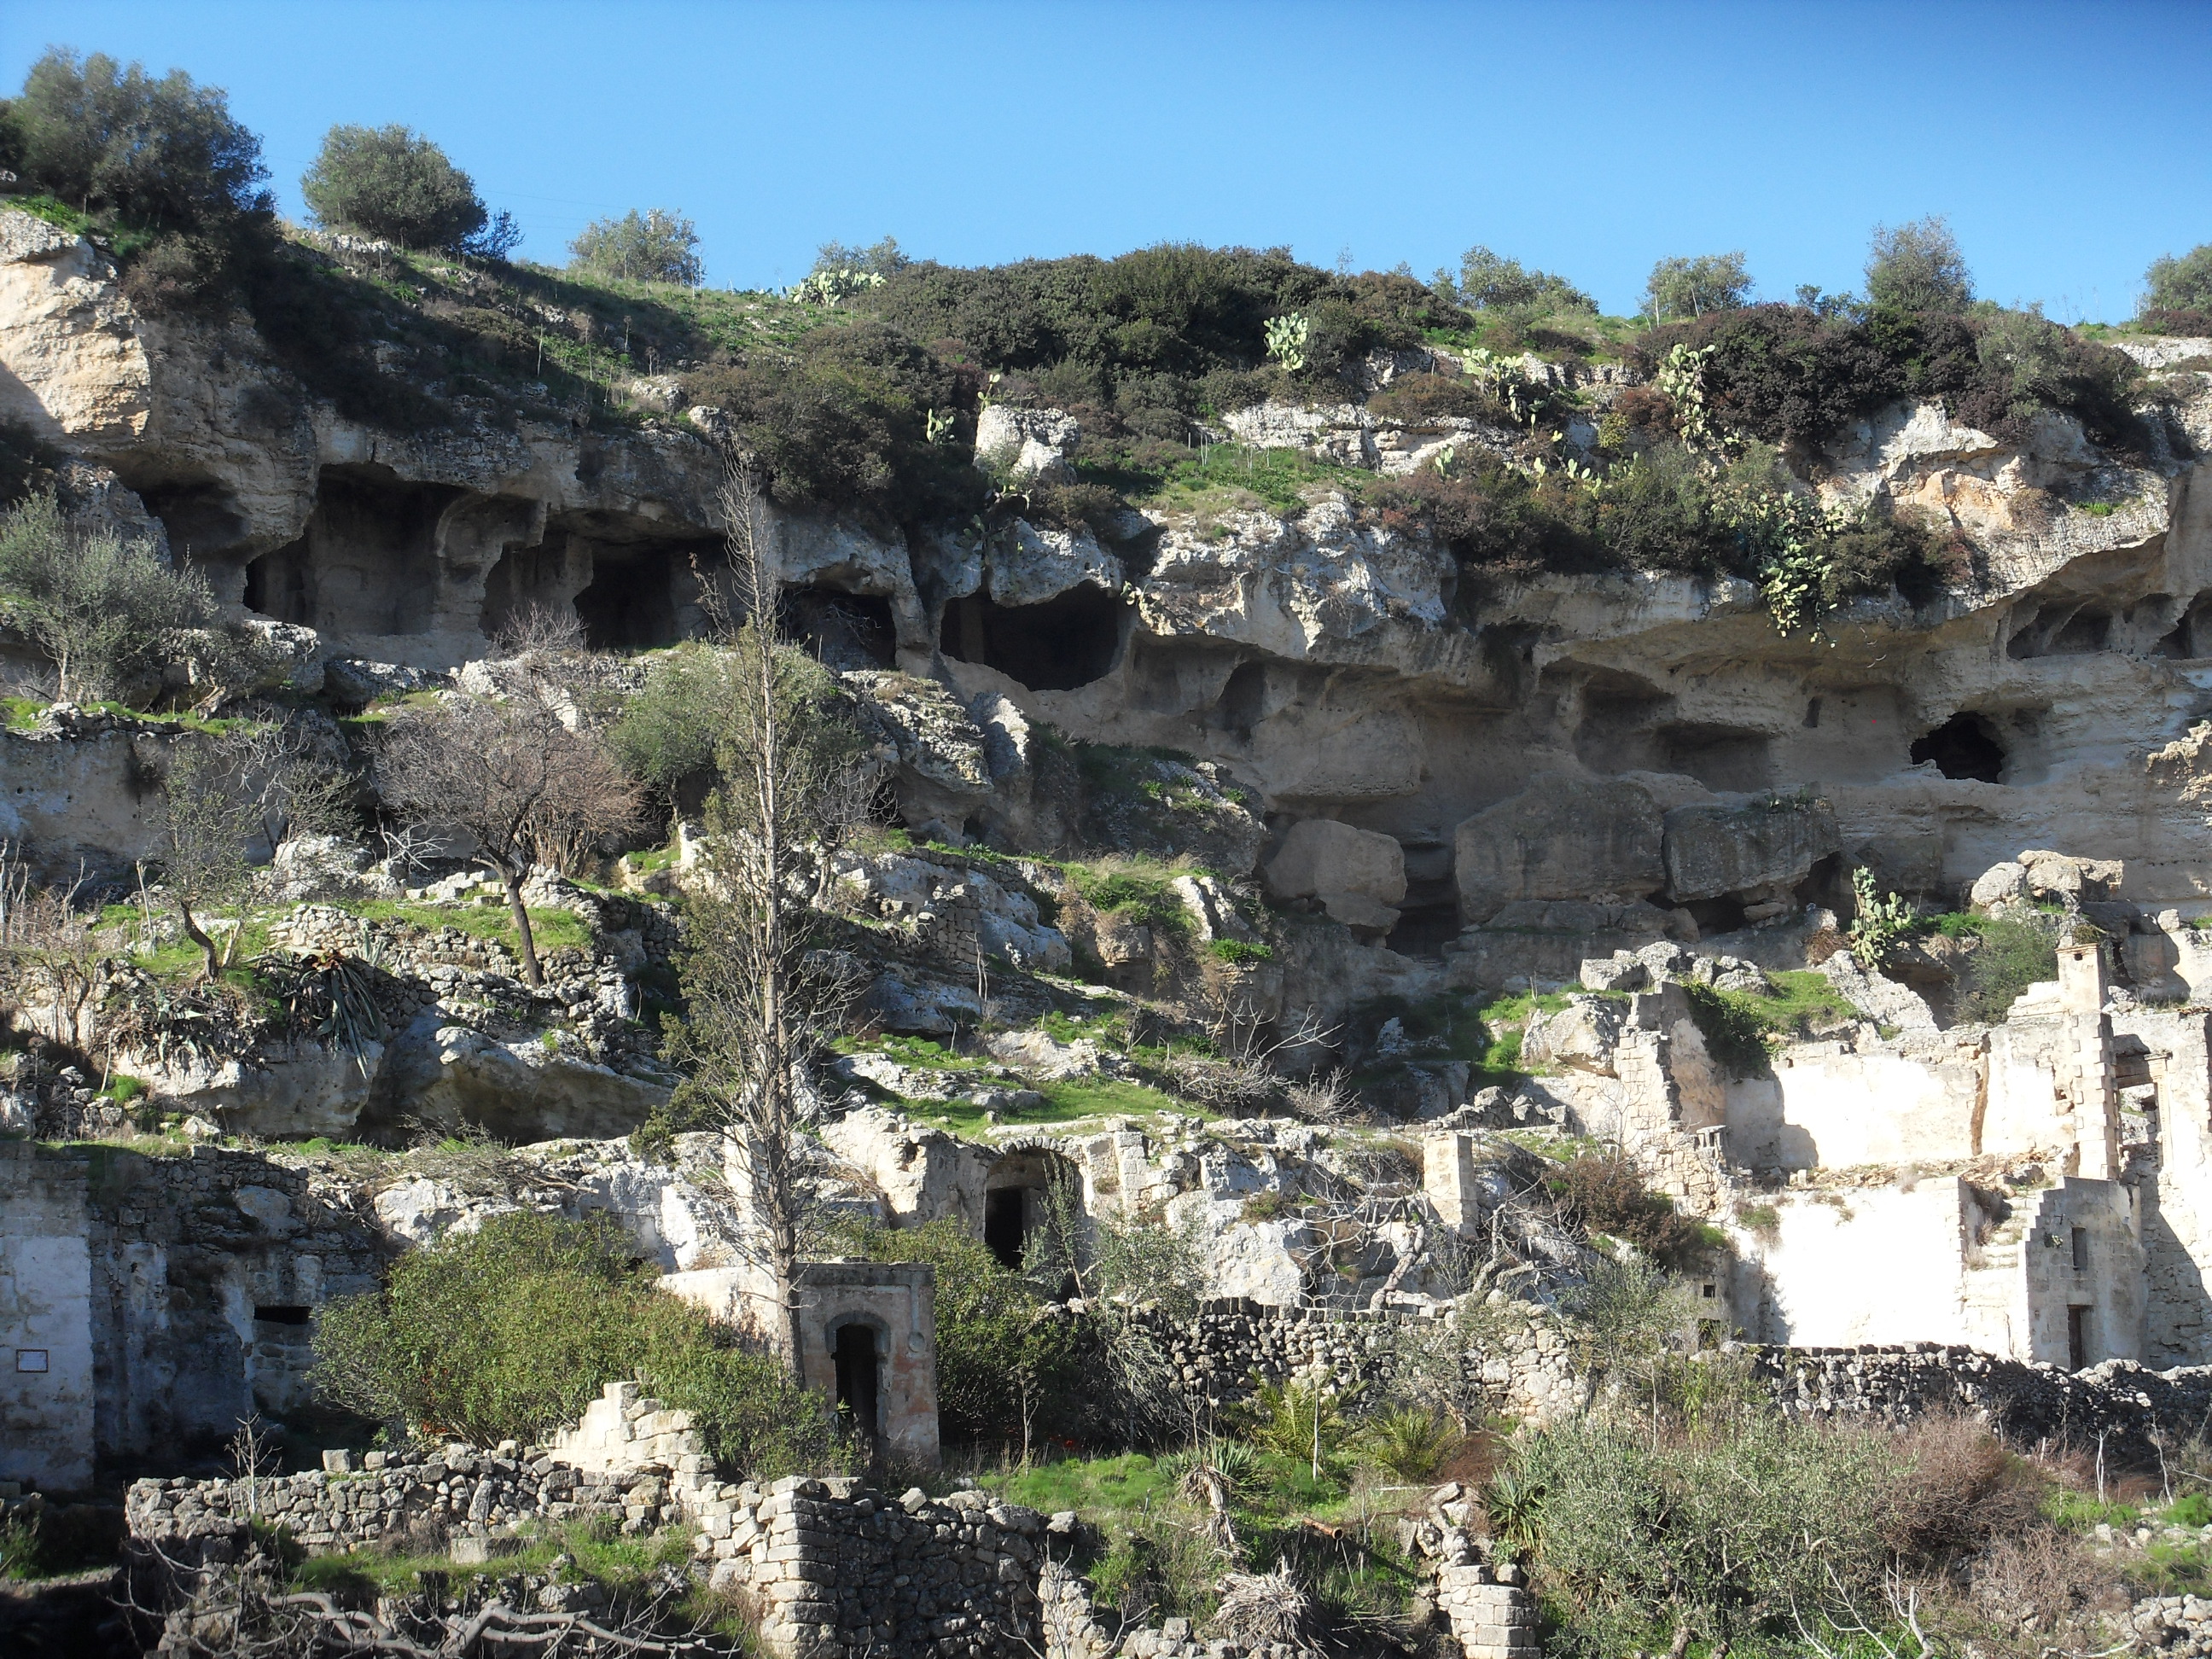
x=1243, y=701
x=628, y=605
x=845, y=630
x=525, y=580
x=277, y=585
x=1966, y=748
x=1065, y=642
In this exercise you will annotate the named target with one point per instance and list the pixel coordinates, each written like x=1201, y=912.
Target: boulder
x=1711, y=850
x=1359, y=876
x=1025, y=565
x=1033, y=443
x=1619, y=972
x=1564, y=838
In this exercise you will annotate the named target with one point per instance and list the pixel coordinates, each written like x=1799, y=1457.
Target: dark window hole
x=1004, y=1212
x=1065, y=642
x=1963, y=747
x=282, y=1314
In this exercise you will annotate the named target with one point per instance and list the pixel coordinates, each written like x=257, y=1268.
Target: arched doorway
x=858, y=1362
x=1016, y=1197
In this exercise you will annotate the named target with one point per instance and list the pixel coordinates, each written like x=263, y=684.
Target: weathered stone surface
x=1768, y=843
x=1028, y=442
x=1564, y=838
x=1357, y=875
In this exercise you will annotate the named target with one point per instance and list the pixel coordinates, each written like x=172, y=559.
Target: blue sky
x=2069, y=143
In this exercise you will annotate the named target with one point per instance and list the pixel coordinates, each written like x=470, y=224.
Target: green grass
x=487, y=919
x=600, y=1555
x=1502, y=1018
x=1231, y=478
x=1065, y=1100
x=1092, y=1486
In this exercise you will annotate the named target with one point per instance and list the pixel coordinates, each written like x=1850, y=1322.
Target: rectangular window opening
x=281, y=1314
x=2080, y=1249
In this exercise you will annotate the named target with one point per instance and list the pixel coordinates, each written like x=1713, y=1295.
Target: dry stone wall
x=2129, y=1409
x=1520, y=1364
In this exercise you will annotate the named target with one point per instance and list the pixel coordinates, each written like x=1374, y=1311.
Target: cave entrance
x=1965, y=747
x=1065, y=642
x=276, y=585
x=845, y=630
x=859, y=1374
x=629, y=605
x=526, y=580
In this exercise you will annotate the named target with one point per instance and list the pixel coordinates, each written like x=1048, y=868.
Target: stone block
x=1712, y=850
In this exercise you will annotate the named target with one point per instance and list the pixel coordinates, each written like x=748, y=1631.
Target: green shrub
x=103, y=610
x=998, y=1362
x=393, y=183
x=657, y=245
x=1604, y=1192
x=1411, y=1441
x=2015, y=952
x=843, y=423
x=1240, y=953
x=2183, y=285
x=668, y=729
x=1299, y=1420
x=509, y=1332
x=1918, y=266
x=1718, y=1538
x=161, y=154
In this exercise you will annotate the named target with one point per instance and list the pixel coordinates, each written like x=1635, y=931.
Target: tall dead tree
x=513, y=776
x=759, y=994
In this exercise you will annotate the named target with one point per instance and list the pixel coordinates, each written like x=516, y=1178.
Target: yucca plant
x=1516, y=1509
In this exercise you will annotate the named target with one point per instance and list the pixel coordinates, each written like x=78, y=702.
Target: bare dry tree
x=536, y=629
x=279, y=769
x=49, y=965
x=512, y=775
x=760, y=992
x=206, y=817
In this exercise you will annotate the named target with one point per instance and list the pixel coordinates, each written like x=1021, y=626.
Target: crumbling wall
x=195, y=1278
x=2129, y=1409
x=1518, y=1362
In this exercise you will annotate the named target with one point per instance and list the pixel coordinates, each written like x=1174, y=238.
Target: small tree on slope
x=512, y=775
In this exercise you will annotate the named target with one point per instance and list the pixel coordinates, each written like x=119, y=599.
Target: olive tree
x=160, y=153
x=101, y=608
x=2182, y=285
x=1918, y=267
x=516, y=778
x=1691, y=287
x=656, y=245
x=394, y=183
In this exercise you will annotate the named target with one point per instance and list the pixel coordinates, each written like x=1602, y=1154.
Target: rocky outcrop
x=1356, y=875
x=1562, y=839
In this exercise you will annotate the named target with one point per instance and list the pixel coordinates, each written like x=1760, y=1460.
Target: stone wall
x=438, y=1497
x=178, y=1289
x=2131, y=1409
x=1520, y=1364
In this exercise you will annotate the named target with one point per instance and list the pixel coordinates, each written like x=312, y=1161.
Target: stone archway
x=1015, y=1194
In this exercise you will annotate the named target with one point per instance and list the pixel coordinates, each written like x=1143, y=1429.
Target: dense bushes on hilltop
x=845, y=422
x=1789, y=375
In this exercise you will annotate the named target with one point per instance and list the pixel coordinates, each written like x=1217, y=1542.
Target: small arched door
x=859, y=1378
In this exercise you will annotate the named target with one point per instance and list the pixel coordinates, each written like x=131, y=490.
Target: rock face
x=1769, y=844
x=1357, y=875
x=1564, y=838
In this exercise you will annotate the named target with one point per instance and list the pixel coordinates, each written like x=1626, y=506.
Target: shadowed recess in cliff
x=1066, y=642
x=1963, y=747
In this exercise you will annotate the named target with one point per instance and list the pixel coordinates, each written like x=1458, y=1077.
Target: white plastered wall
x=46, y=1428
